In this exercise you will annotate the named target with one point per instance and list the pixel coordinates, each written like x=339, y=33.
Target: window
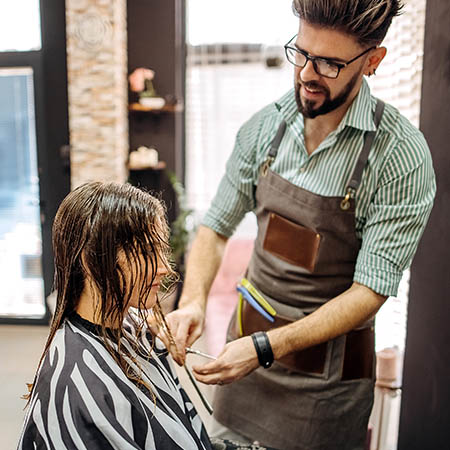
x=20, y=25
x=20, y=224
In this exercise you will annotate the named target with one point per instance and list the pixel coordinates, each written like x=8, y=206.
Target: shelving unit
x=156, y=40
x=137, y=107
x=160, y=166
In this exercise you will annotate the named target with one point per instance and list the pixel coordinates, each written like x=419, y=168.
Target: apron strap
x=355, y=179
x=274, y=146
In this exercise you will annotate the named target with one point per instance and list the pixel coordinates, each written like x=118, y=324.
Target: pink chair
x=223, y=296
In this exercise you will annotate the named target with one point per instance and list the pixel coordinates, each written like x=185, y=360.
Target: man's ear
x=374, y=60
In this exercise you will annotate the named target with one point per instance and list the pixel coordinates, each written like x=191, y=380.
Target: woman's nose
x=162, y=270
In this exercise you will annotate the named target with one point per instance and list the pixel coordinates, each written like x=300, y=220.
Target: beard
x=307, y=107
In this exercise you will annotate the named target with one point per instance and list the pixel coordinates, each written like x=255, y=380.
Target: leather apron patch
x=292, y=242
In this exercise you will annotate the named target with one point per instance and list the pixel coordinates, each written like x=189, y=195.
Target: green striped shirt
x=393, y=201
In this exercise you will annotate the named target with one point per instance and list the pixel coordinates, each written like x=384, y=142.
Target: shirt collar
x=287, y=107
x=359, y=115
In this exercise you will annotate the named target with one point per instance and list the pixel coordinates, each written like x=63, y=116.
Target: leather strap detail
x=355, y=179
x=263, y=348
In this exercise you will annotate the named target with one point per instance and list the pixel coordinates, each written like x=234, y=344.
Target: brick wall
x=97, y=85
x=399, y=78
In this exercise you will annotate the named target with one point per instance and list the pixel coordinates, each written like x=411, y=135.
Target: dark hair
x=106, y=234
x=366, y=20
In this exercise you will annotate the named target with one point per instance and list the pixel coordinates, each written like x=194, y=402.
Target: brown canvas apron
x=305, y=254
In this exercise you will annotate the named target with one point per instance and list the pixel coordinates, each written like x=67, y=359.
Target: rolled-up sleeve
x=397, y=216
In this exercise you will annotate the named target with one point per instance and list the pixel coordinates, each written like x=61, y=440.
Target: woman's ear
x=374, y=60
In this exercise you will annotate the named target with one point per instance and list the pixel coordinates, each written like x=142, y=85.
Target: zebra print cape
x=83, y=400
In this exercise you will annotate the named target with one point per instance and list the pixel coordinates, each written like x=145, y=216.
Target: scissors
x=199, y=353
x=194, y=382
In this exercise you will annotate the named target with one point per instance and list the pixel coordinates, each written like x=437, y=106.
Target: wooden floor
x=20, y=349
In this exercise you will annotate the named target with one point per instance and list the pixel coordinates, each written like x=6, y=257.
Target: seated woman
x=104, y=381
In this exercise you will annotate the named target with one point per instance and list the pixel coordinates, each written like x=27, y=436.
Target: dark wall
x=156, y=39
x=54, y=162
x=425, y=412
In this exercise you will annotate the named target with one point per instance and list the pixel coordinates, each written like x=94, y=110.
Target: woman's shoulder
x=72, y=347
x=76, y=369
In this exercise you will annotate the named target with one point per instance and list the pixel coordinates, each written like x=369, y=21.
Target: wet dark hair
x=366, y=20
x=113, y=236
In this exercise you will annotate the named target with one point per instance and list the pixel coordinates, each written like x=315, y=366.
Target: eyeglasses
x=325, y=67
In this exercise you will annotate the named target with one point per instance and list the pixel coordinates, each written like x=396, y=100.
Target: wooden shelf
x=137, y=107
x=160, y=166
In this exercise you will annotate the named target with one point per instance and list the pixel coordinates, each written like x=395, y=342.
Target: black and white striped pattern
x=82, y=399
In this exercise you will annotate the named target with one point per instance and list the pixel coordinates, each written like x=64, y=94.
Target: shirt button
x=302, y=169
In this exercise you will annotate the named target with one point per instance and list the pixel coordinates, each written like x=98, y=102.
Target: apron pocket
x=291, y=242
x=359, y=355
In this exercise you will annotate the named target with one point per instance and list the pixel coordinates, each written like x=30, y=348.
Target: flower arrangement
x=141, y=81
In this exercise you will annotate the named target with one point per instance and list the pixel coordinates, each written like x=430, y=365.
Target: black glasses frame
x=313, y=59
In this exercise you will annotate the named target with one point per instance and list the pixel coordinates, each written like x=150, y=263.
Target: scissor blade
x=198, y=352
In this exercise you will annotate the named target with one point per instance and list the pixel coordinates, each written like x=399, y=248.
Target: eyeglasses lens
x=321, y=66
x=326, y=69
x=295, y=57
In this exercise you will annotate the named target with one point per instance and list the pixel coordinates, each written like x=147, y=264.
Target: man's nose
x=308, y=73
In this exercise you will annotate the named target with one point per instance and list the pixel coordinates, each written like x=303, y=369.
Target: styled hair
x=366, y=20
x=112, y=236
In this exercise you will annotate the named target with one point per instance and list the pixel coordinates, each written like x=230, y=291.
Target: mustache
x=313, y=85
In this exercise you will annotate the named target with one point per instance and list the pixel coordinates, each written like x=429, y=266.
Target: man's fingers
x=195, y=334
x=181, y=336
x=153, y=325
x=185, y=328
x=163, y=333
x=172, y=324
x=158, y=331
x=207, y=369
x=209, y=380
x=165, y=338
x=212, y=373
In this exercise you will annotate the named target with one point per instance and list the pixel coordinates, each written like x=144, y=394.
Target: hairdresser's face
x=318, y=95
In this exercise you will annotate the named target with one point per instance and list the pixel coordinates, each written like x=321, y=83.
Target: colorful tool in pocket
x=250, y=294
x=258, y=297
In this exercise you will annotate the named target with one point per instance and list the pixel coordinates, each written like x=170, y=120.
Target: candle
x=387, y=364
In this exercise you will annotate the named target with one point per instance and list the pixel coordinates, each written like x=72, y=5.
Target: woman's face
x=139, y=282
x=156, y=284
x=140, y=275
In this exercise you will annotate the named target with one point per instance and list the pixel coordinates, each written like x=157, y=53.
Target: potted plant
x=141, y=81
x=182, y=227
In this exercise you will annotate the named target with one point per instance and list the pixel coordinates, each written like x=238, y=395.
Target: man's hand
x=186, y=325
x=237, y=360
x=187, y=322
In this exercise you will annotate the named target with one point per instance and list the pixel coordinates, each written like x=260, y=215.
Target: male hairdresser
x=342, y=186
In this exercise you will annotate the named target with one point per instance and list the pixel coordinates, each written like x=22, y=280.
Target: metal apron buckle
x=266, y=164
x=345, y=204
